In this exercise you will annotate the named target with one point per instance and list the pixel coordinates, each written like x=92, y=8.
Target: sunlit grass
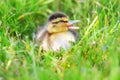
x=95, y=56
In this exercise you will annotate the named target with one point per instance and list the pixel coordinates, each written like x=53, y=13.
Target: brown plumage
x=57, y=33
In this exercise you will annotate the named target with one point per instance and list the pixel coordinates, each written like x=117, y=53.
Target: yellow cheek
x=65, y=26
x=62, y=27
x=50, y=29
x=59, y=28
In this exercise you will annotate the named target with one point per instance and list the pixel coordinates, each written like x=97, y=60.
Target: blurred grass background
x=95, y=56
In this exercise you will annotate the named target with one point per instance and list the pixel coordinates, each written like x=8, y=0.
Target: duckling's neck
x=54, y=32
x=61, y=40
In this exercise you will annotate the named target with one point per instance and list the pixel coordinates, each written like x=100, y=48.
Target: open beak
x=71, y=22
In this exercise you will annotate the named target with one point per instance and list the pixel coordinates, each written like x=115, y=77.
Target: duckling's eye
x=57, y=22
x=61, y=21
x=65, y=21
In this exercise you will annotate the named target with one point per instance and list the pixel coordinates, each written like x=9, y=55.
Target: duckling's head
x=58, y=22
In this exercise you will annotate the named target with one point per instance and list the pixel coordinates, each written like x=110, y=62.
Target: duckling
x=57, y=33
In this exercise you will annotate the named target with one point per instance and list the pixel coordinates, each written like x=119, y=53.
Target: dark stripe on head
x=59, y=21
x=56, y=15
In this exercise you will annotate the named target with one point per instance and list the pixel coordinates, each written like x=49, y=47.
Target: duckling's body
x=55, y=37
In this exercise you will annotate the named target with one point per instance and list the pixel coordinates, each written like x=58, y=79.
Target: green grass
x=95, y=56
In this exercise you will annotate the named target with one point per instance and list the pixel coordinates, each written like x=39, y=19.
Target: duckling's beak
x=71, y=22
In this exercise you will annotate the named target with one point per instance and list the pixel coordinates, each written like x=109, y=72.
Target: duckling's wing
x=74, y=33
x=39, y=34
x=38, y=29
